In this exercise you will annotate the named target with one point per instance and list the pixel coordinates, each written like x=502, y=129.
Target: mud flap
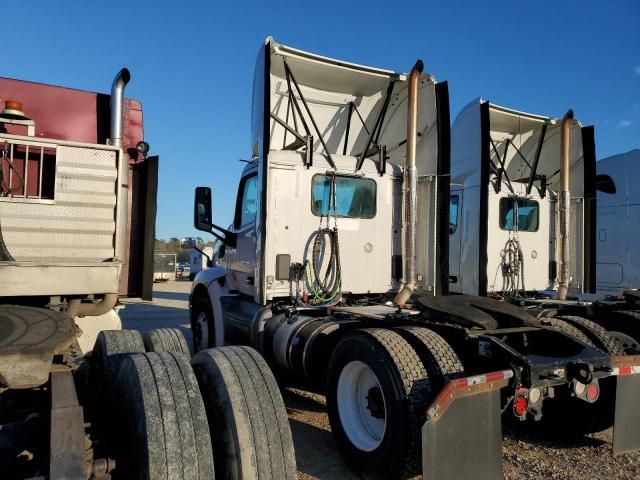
x=626, y=429
x=462, y=437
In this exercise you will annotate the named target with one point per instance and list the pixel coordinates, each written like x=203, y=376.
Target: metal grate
x=27, y=170
x=77, y=225
x=426, y=234
x=576, y=268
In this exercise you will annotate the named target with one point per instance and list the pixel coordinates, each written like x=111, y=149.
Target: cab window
x=453, y=214
x=519, y=214
x=247, y=205
x=355, y=196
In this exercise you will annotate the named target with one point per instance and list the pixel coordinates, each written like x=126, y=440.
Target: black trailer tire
x=160, y=423
x=597, y=334
x=202, y=324
x=565, y=327
x=108, y=350
x=438, y=357
x=247, y=418
x=166, y=340
x=404, y=393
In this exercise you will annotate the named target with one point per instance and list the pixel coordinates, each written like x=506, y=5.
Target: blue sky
x=192, y=66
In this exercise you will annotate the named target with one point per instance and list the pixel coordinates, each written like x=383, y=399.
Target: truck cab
x=325, y=129
x=504, y=210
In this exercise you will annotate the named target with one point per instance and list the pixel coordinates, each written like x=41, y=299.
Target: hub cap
x=361, y=406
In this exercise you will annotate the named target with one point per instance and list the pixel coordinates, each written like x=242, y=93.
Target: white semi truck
x=524, y=191
x=79, y=397
x=618, y=226
x=336, y=269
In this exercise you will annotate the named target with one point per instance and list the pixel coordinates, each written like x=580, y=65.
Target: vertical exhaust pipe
x=117, y=106
x=564, y=206
x=410, y=189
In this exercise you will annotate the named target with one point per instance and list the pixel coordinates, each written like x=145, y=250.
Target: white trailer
x=199, y=260
x=618, y=228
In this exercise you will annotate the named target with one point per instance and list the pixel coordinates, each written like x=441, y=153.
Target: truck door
x=242, y=259
x=455, y=232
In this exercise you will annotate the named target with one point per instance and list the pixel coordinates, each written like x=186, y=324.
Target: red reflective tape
x=492, y=377
x=443, y=399
x=626, y=370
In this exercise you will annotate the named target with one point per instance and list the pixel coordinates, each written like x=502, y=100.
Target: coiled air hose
x=323, y=290
x=513, y=269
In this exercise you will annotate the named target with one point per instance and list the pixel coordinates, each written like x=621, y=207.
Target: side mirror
x=187, y=243
x=202, y=209
x=605, y=184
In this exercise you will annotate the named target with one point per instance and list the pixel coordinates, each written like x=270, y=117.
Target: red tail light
x=593, y=392
x=520, y=406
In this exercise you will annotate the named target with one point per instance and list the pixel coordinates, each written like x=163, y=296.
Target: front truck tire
x=247, y=417
x=377, y=395
x=166, y=340
x=160, y=423
x=202, y=324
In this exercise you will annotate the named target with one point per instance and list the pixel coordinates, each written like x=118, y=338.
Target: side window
x=453, y=214
x=248, y=201
x=519, y=214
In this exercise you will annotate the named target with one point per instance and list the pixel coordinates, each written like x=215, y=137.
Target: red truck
x=80, y=398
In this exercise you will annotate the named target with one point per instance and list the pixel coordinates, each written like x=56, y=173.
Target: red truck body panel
x=81, y=116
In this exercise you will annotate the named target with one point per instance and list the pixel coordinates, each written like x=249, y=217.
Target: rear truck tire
x=160, y=423
x=624, y=326
x=574, y=417
x=202, y=324
x=438, y=357
x=166, y=340
x=597, y=334
x=565, y=327
x=109, y=349
x=247, y=418
x=377, y=396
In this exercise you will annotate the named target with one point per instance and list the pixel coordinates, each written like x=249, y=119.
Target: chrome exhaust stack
x=410, y=189
x=117, y=106
x=564, y=204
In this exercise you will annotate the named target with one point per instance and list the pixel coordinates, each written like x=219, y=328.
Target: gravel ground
x=526, y=455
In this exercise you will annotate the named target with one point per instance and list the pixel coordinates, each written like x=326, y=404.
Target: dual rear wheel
x=380, y=383
x=219, y=416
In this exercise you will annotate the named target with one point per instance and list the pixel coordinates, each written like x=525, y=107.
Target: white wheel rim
x=363, y=419
x=203, y=323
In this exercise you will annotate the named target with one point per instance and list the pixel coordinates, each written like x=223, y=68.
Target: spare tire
x=166, y=340
x=159, y=425
x=248, y=421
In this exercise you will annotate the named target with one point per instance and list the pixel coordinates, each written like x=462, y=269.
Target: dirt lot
x=526, y=456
